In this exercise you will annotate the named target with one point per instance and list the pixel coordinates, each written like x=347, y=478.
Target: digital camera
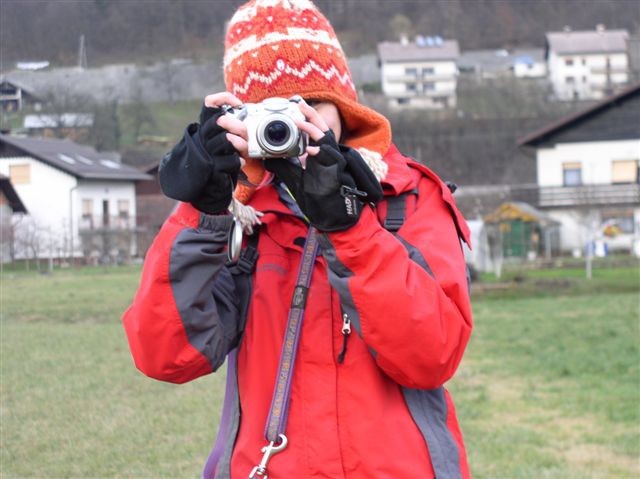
x=272, y=132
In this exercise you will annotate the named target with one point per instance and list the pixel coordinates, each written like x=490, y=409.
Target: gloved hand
x=333, y=188
x=203, y=167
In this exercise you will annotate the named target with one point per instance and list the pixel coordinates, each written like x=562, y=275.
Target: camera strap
x=279, y=411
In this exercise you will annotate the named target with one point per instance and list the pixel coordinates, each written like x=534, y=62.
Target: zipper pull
x=346, y=331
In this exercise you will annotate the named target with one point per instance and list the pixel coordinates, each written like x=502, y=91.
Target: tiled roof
x=592, y=41
x=80, y=161
x=568, y=121
x=396, y=51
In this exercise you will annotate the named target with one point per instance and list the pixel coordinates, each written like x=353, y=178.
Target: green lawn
x=170, y=120
x=549, y=388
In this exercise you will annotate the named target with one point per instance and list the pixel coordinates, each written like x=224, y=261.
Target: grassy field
x=170, y=120
x=549, y=388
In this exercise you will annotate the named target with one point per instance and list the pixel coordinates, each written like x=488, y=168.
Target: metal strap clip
x=268, y=451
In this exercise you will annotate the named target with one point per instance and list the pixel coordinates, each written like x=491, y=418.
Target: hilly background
x=169, y=56
x=144, y=31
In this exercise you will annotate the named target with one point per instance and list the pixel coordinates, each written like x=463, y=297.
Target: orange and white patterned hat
x=287, y=47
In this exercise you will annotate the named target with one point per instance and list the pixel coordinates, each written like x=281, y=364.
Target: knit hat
x=280, y=48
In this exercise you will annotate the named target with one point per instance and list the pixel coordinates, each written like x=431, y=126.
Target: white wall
x=53, y=196
x=595, y=157
x=596, y=160
x=589, y=72
x=535, y=70
x=395, y=78
x=46, y=198
x=579, y=225
x=110, y=191
x=99, y=191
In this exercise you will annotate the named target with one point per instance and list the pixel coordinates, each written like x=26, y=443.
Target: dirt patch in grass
x=594, y=456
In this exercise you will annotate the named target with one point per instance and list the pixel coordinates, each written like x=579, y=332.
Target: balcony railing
x=422, y=94
x=99, y=222
x=429, y=77
x=578, y=196
x=610, y=69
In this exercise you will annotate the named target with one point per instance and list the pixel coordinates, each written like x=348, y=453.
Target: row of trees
x=106, y=131
x=22, y=237
x=25, y=239
x=145, y=30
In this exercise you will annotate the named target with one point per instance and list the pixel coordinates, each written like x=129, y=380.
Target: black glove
x=203, y=167
x=333, y=188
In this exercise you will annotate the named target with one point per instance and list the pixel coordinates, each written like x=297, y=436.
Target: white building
x=587, y=173
x=529, y=64
x=585, y=65
x=14, y=95
x=81, y=202
x=420, y=74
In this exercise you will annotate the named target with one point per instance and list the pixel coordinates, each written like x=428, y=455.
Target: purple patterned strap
x=277, y=421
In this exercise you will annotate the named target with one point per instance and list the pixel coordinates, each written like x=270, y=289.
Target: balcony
x=579, y=196
x=105, y=223
x=417, y=78
x=610, y=70
x=422, y=94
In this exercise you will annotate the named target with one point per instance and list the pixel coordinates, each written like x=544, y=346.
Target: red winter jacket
x=382, y=412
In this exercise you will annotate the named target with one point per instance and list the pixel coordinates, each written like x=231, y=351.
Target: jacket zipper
x=346, y=331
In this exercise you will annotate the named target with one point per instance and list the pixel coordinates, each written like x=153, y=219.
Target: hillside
x=132, y=31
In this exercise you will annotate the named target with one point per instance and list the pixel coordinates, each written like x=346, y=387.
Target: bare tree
x=105, y=132
x=33, y=241
x=169, y=71
x=401, y=26
x=65, y=112
x=138, y=112
x=133, y=30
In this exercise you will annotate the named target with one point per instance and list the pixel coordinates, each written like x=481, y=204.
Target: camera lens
x=277, y=133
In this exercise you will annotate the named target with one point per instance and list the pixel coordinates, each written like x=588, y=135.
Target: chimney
x=566, y=29
x=404, y=40
x=600, y=28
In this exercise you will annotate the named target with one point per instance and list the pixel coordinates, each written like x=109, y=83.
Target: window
x=411, y=71
x=568, y=62
x=428, y=71
x=584, y=61
x=87, y=208
x=429, y=86
x=618, y=221
x=87, y=213
x=411, y=87
x=571, y=174
x=20, y=174
x=624, y=171
x=123, y=208
x=105, y=213
x=570, y=80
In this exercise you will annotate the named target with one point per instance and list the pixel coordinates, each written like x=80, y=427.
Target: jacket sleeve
x=407, y=296
x=185, y=170
x=185, y=315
